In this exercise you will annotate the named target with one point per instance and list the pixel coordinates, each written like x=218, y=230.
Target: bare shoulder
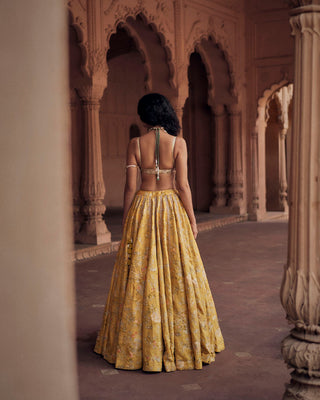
x=181, y=143
x=133, y=143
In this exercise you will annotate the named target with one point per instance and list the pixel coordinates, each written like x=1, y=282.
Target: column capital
x=218, y=110
x=234, y=109
x=305, y=21
x=92, y=92
x=303, y=3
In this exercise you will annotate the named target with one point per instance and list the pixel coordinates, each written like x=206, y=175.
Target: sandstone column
x=300, y=292
x=283, y=169
x=219, y=169
x=258, y=168
x=181, y=75
x=255, y=175
x=284, y=96
x=37, y=298
x=94, y=229
x=235, y=175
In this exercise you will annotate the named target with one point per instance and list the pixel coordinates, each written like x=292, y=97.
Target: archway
x=271, y=143
x=273, y=129
x=197, y=124
x=277, y=145
x=210, y=90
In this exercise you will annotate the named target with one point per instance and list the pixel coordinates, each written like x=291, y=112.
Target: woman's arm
x=183, y=184
x=131, y=178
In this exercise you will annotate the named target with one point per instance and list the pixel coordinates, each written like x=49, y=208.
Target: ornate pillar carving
x=284, y=96
x=258, y=199
x=283, y=169
x=235, y=175
x=181, y=75
x=300, y=291
x=94, y=229
x=255, y=175
x=219, y=168
x=75, y=138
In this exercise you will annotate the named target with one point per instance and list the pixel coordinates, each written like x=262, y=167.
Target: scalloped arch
x=223, y=46
x=148, y=20
x=277, y=102
x=263, y=100
x=76, y=23
x=209, y=72
x=143, y=52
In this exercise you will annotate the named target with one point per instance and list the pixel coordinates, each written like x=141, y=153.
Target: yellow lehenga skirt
x=159, y=309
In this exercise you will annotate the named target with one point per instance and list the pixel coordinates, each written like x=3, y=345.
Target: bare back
x=141, y=153
x=146, y=160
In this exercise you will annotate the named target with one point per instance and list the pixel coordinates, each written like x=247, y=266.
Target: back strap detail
x=139, y=152
x=154, y=171
x=173, y=144
x=157, y=153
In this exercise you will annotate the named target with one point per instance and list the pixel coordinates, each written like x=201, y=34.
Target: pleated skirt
x=159, y=311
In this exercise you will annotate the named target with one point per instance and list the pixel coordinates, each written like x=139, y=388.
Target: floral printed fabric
x=159, y=309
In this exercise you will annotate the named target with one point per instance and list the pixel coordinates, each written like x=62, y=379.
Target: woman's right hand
x=194, y=230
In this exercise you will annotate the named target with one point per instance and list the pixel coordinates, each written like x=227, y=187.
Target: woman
x=160, y=309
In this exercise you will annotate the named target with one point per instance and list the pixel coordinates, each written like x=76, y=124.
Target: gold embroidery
x=160, y=308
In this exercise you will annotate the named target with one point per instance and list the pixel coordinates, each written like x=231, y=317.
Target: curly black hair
x=155, y=109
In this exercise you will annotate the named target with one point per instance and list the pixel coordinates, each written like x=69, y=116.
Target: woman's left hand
x=194, y=230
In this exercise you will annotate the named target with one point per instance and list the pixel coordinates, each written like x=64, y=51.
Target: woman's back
x=146, y=146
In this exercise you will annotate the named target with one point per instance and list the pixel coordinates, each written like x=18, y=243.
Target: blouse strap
x=139, y=152
x=173, y=144
x=157, y=153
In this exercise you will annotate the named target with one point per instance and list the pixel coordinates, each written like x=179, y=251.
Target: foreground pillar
x=218, y=205
x=300, y=292
x=235, y=175
x=38, y=357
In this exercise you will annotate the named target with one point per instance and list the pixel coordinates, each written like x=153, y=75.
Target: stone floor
x=244, y=264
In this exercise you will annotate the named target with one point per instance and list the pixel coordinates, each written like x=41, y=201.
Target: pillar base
x=284, y=208
x=219, y=210
x=301, y=391
x=238, y=209
x=304, y=357
x=227, y=210
x=94, y=232
x=256, y=215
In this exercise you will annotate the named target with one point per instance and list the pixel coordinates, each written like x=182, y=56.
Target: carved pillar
x=258, y=168
x=283, y=170
x=255, y=175
x=94, y=229
x=300, y=291
x=219, y=168
x=235, y=175
x=75, y=158
x=181, y=76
